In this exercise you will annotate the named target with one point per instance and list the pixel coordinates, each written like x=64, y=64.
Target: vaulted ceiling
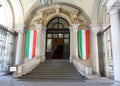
x=86, y=5
x=21, y=10
x=90, y=7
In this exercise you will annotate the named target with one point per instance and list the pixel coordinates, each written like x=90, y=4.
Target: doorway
x=57, y=39
x=58, y=48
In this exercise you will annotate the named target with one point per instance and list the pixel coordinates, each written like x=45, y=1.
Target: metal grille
x=6, y=49
x=58, y=23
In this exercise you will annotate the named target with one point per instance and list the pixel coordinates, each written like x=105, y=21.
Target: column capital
x=40, y=26
x=112, y=6
x=75, y=26
x=95, y=28
x=19, y=28
x=115, y=8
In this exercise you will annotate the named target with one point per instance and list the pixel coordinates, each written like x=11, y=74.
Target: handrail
x=83, y=69
x=27, y=67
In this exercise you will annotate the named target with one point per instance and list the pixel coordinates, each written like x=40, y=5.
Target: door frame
x=57, y=31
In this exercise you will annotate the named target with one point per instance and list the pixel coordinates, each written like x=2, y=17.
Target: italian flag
x=83, y=44
x=31, y=43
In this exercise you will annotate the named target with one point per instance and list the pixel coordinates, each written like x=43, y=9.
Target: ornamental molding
x=73, y=15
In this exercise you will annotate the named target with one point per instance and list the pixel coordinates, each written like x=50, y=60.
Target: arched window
x=58, y=23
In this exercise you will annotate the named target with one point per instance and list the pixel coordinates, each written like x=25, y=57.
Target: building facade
x=87, y=33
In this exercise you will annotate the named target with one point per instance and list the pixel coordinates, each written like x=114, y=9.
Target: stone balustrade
x=27, y=67
x=83, y=69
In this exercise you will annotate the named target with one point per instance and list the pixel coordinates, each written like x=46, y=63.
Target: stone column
x=73, y=42
x=19, y=48
x=39, y=42
x=115, y=35
x=43, y=46
x=40, y=51
x=94, y=48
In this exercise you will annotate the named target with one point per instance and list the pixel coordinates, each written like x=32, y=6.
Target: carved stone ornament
x=75, y=15
x=39, y=20
x=116, y=5
x=49, y=12
x=64, y=12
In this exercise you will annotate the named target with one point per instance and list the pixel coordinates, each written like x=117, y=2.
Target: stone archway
x=44, y=14
x=6, y=14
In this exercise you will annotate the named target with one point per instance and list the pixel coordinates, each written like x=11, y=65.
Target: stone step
x=73, y=74
x=54, y=69
x=53, y=76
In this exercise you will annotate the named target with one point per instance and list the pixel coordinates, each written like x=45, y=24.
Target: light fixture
x=45, y=2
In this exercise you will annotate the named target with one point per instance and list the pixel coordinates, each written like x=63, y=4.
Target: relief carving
x=72, y=14
x=49, y=12
x=39, y=20
x=116, y=4
x=64, y=12
x=76, y=19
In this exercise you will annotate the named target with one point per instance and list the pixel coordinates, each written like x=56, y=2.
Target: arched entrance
x=57, y=39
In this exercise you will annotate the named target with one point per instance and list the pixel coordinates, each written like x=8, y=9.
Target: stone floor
x=96, y=81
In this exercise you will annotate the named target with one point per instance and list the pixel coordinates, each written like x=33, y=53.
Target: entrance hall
x=68, y=41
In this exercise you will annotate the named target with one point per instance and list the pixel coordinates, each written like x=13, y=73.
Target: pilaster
x=73, y=41
x=19, y=48
x=115, y=35
x=94, y=29
x=41, y=41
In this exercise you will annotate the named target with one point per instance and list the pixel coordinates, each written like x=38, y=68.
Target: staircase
x=54, y=70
